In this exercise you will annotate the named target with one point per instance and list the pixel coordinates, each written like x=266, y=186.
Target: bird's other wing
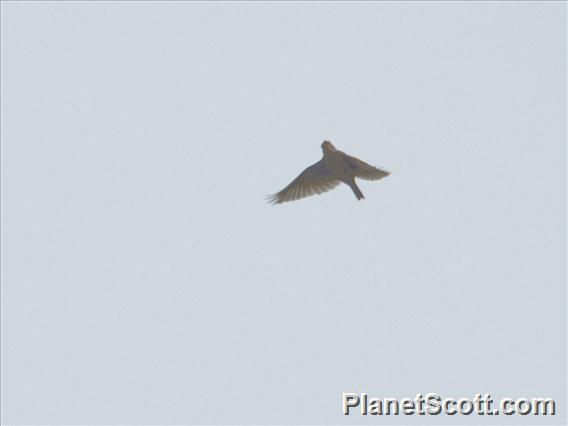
x=366, y=171
x=314, y=180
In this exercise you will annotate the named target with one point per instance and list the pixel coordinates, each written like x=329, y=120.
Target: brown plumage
x=334, y=167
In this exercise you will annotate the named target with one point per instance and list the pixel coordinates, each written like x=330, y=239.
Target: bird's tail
x=356, y=190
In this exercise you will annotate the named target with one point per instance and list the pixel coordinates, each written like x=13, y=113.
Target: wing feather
x=363, y=170
x=313, y=180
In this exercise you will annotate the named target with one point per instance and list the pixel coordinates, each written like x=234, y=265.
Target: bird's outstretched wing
x=314, y=180
x=366, y=171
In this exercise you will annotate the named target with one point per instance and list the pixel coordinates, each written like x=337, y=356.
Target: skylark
x=334, y=167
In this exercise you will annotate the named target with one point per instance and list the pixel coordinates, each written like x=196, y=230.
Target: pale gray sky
x=144, y=278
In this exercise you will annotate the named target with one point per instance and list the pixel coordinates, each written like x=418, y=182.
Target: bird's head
x=327, y=146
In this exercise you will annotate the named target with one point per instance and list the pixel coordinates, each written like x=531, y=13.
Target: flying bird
x=334, y=167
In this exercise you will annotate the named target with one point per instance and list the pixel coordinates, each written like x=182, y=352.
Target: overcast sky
x=146, y=281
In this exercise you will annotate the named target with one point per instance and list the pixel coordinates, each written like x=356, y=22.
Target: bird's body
x=334, y=167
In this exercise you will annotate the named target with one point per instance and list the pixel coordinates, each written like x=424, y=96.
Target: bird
x=334, y=167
